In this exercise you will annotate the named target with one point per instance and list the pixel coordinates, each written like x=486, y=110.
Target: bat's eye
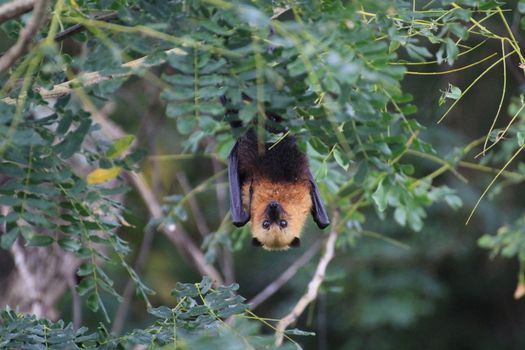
x=283, y=223
x=266, y=224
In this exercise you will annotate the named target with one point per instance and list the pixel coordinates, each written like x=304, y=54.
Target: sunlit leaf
x=99, y=176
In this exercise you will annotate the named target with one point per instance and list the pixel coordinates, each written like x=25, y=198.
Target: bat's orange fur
x=295, y=201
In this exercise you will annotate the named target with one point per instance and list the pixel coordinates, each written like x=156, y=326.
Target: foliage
x=508, y=241
x=196, y=322
x=50, y=203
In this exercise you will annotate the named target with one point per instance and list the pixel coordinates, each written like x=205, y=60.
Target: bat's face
x=278, y=212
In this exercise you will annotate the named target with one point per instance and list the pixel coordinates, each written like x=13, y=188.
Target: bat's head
x=278, y=213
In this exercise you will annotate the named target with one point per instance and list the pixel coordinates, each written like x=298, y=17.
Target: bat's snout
x=274, y=211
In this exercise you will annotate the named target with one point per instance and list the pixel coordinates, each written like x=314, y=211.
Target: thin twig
x=80, y=27
x=14, y=9
x=313, y=286
x=26, y=35
x=200, y=219
x=228, y=266
x=175, y=233
x=287, y=275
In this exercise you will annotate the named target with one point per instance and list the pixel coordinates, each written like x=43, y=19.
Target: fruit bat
x=274, y=189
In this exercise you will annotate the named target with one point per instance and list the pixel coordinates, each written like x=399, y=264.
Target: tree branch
x=175, y=233
x=14, y=9
x=313, y=286
x=92, y=78
x=287, y=275
x=200, y=220
x=80, y=27
x=26, y=35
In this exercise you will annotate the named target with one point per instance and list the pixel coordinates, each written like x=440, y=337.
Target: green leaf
x=340, y=159
x=212, y=108
x=86, y=285
x=380, y=197
x=400, y=215
x=362, y=172
x=70, y=245
x=186, y=124
x=73, y=140
x=64, y=124
x=120, y=146
x=521, y=6
x=7, y=239
x=85, y=269
x=93, y=302
x=454, y=201
x=453, y=93
x=418, y=53
x=248, y=112
x=487, y=241
x=9, y=201
x=161, y=312
x=40, y=241
x=175, y=110
x=452, y=51
x=393, y=46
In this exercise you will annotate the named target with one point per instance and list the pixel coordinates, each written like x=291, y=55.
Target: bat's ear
x=318, y=209
x=239, y=216
x=256, y=242
x=295, y=243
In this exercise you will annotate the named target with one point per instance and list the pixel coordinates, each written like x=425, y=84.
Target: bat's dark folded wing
x=318, y=210
x=239, y=216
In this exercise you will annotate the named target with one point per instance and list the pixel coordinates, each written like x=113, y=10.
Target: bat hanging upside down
x=275, y=190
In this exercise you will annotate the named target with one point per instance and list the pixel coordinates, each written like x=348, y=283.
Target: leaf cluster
x=196, y=322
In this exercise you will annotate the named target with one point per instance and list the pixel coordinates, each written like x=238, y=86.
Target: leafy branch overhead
x=331, y=70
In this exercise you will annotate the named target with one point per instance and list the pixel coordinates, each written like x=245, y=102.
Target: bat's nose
x=274, y=210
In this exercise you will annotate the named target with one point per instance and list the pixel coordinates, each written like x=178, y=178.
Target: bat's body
x=275, y=190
